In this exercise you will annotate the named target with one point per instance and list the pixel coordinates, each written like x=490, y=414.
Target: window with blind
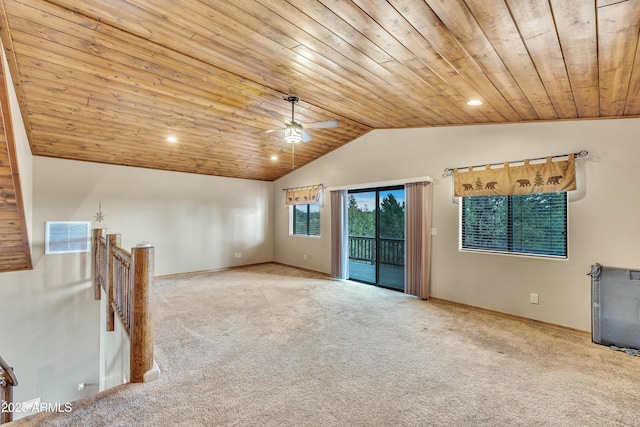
x=63, y=237
x=306, y=219
x=530, y=224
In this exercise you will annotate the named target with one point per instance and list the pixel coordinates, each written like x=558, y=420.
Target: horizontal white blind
x=532, y=224
x=67, y=237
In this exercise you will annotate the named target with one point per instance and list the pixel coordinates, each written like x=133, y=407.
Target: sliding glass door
x=376, y=236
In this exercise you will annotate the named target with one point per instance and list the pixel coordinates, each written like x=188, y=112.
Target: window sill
x=513, y=254
x=308, y=236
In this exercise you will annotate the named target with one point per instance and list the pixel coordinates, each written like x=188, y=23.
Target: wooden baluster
x=97, y=261
x=104, y=257
x=128, y=301
x=126, y=296
x=117, y=290
x=112, y=240
x=141, y=312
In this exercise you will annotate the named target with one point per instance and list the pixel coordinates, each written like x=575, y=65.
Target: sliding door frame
x=377, y=191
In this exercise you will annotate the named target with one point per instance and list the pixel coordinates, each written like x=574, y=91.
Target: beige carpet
x=270, y=345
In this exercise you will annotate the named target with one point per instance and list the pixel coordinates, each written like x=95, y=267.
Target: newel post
x=141, y=312
x=112, y=240
x=8, y=380
x=97, y=261
x=6, y=416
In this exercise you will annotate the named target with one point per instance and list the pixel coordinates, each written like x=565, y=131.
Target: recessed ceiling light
x=274, y=157
x=474, y=102
x=172, y=139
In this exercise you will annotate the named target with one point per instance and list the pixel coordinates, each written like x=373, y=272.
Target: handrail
x=127, y=279
x=8, y=380
x=11, y=379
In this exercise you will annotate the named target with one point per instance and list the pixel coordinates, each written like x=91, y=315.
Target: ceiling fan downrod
x=293, y=100
x=293, y=128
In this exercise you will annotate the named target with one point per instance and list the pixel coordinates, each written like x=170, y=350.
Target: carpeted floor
x=270, y=345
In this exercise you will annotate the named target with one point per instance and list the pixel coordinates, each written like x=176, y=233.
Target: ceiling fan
x=294, y=132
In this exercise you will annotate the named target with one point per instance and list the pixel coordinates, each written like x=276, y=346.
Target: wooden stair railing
x=7, y=382
x=127, y=280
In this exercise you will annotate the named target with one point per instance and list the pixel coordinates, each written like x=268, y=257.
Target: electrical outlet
x=533, y=298
x=304, y=257
x=238, y=254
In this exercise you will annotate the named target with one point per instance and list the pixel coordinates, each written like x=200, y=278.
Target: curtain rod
x=449, y=171
x=381, y=183
x=303, y=186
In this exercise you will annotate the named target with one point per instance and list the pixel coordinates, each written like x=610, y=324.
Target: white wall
x=49, y=318
x=195, y=222
x=49, y=321
x=603, y=211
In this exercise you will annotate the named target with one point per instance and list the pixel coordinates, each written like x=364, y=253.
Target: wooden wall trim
x=5, y=110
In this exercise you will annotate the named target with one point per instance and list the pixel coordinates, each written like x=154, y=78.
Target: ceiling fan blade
x=306, y=137
x=278, y=117
x=322, y=125
x=265, y=131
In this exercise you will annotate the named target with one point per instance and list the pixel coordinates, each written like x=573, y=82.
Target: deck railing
x=365, y=248
x=7, y=382
x=362, y=248
x=127, y=278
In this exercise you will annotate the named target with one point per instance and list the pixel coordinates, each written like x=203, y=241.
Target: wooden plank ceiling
x=109, y=81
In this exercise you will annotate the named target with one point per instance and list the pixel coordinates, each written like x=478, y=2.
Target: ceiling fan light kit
x=293, y=133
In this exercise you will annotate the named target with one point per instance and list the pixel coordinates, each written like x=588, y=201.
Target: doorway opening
x=376, y=219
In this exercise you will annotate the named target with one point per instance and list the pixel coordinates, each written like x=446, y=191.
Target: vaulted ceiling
x=109, y=81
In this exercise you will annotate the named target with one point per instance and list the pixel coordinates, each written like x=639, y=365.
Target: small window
x=531, y=224
x=306, y=220
x=64, y=237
